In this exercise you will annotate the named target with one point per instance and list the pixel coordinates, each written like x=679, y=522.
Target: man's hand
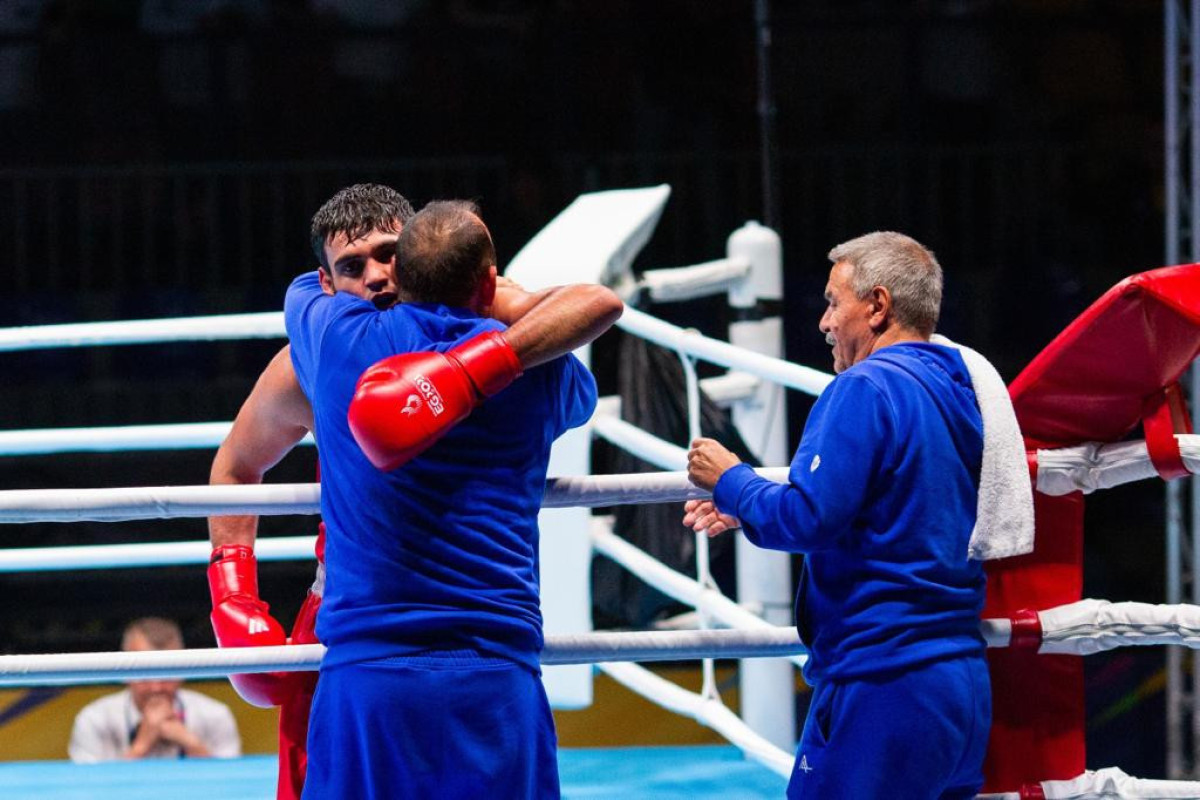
x=707, y=462
x=509, y=293
x=157, y=711
x=702, y=515
x=508, y=284
x=161, y=723
x=173, y=730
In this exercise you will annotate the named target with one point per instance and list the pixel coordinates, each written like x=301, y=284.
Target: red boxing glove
x=240, y=619
x=405, y=403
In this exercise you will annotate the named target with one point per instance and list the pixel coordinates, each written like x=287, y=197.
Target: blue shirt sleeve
x=845, y=445
x=574, y=390
x=303, y=316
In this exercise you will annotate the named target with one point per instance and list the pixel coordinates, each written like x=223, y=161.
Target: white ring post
x=764, y=577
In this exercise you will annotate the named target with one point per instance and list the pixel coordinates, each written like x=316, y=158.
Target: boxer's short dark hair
x=357, y=211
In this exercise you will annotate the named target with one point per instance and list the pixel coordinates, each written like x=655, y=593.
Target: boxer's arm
x=543, y=326
x=553, y=322
x=273, y=419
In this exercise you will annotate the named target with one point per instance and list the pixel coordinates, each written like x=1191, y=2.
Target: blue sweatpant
x=434, y=725
x=917, y=735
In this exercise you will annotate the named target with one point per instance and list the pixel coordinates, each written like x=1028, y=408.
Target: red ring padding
x=1090, y=384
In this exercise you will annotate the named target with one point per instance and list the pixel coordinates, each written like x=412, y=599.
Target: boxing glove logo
x=431, y=394
x=412, y=406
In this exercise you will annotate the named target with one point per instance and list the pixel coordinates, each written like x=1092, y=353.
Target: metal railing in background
x=1181, y=56
x=122, y=242
x=210, y=225
x=203, y=225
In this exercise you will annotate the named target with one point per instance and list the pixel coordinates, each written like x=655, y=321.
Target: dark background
x=163, y=158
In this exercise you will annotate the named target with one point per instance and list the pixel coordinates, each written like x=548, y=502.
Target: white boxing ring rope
x=1081, y=468
x=687, y=342
x=113, y=506
x=597, y=490
x=205, y=435
x=1088, y=626
x=705, y=599
x=144, y=554
x=266, y=325
x=269, y=325
x=167, y=502
x=1081, y=628
x=71, y=668
x=116, y=438
x=705, y=709
x=1169, y=625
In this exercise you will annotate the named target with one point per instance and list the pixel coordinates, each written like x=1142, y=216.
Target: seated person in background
x=153, y=719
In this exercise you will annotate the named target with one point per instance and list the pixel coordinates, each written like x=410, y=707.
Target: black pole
x=766, y=114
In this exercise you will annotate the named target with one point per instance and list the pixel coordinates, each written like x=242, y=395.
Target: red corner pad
x=1092, y=381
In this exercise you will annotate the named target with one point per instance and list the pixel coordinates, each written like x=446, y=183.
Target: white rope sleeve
x=145, y=554
x=166, y=502
x=1082, y=628
x=804, y=379
x=698, y=280
x=144, y=331
x=76, y=668
x=1113, y=784
x=609, y=646
x=707, y=711
x=1091, y=466
x=1093, y=626
x=633, y=488
x=996, y=632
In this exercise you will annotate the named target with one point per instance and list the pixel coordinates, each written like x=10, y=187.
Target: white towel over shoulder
x=1004, y=522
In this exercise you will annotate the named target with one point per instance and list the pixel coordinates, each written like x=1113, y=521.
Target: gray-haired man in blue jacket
x=881, y=498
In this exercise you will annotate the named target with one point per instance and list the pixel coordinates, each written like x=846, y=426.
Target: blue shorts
x=920, y=734
x=444, y=725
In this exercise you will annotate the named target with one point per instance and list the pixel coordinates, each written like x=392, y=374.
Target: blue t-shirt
x=881, y=496
x=441, y=553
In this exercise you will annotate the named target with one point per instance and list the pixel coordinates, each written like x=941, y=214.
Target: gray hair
x=904, y=267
